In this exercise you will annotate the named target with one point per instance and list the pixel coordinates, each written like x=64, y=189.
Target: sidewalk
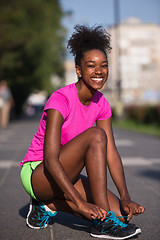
x=142, y=174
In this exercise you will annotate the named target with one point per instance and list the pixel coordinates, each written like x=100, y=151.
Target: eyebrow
x=94, y=61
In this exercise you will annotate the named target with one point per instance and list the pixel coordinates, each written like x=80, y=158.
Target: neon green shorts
x=26, y=173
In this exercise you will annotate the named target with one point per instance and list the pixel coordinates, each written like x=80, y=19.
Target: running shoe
x=38, y=217
x=113, y=228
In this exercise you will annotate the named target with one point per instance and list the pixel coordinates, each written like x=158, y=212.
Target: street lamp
x=119, y=106
x=117, y=38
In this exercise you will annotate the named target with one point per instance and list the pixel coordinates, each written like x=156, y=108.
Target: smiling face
x=93, y=69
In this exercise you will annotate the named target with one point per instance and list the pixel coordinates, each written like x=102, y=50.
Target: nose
x=98, y=70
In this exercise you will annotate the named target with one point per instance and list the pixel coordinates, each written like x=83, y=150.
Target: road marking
x=9, y=163
x=124, y=143
x=130, y=161
x=51, y=231
x=139, y=161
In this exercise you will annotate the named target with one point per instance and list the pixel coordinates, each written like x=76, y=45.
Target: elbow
x=48, y=164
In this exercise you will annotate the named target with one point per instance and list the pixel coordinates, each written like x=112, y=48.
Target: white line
x=130, y=161
x=124, y=143
x=51, y=231
x=139, y=161
x=9, y=163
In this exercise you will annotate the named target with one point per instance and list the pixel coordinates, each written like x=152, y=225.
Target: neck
x=85, y=93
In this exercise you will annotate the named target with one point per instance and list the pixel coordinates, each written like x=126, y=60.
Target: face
x=94, y=69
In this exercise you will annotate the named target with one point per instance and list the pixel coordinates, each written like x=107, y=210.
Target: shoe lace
x=45, y=217
x=111, y=216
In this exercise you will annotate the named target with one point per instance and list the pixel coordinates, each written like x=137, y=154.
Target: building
x=135, y=62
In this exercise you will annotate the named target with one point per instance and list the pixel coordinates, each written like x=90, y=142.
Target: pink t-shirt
x=77, y=118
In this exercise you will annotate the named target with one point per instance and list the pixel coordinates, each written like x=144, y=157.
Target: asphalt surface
x=141, y=157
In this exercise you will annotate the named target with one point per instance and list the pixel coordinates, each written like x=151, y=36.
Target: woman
x=67, y=140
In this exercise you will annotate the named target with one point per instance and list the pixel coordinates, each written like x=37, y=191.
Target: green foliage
x=31, y=45
x=132, y=125
x=143, y=114
x=145, y=119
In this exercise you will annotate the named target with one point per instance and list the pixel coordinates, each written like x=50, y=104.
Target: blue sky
x=102, y=11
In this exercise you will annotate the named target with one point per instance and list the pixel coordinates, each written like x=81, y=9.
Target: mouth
x=100, y=79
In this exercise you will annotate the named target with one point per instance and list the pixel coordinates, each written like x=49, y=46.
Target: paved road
x=141, y=158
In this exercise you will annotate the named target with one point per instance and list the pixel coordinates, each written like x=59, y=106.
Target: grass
x=151, y=129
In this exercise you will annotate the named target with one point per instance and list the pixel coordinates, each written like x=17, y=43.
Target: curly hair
x=85, y=38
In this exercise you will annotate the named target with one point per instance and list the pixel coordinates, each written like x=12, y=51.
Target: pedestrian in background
x=6, y=102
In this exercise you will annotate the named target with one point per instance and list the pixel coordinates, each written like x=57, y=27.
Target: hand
x=131, y=208
x=93, y=210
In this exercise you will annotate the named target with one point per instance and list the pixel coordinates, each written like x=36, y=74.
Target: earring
x=79, y=76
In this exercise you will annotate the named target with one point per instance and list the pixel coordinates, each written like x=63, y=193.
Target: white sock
x=48, y=209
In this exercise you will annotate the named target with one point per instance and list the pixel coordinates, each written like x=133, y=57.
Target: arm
x=116, y=170
x=52, y=151
x=55, y=168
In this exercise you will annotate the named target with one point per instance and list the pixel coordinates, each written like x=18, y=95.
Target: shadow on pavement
x=73, y=222
x=65, y=219
x=24, y=210
x=154, y=174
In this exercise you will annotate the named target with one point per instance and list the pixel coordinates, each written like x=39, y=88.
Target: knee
x=98, y=136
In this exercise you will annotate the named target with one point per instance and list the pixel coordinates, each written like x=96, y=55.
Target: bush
x=143, y=114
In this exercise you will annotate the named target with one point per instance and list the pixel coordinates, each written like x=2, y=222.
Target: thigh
x=72, y=158
x=26, y=173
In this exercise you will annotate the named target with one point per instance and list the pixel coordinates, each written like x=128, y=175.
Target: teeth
x=97, y=79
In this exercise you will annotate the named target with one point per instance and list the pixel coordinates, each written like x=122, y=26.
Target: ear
x=78, y=71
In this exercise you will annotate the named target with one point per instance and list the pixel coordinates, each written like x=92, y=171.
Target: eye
x=90, y=66
x=105, y=66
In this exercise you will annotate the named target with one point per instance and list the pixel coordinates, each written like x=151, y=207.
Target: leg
x=88, y=148
x=0, y=117
x=5, y=115
x=83, y=187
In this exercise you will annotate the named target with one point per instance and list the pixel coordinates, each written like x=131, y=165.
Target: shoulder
x=60, y=94
x=104, y=109
x=60, y=100
x=65, y=91
x=100, y=99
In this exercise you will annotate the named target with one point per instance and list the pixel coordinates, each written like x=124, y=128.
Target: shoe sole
x=28, y=224
x=137, y=232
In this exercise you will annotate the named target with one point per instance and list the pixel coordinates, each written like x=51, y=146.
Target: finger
x=96, y=213
x=104, y=214
x=136, y=210
x=130, y=215
x=92, y=216
x=142, y=209
x=126, y=209
x=139, y=210
x=101, y=213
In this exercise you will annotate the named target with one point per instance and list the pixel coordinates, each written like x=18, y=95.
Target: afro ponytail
x=84, y=39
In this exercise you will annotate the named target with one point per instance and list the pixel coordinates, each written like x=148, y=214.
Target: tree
x=31, y=45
